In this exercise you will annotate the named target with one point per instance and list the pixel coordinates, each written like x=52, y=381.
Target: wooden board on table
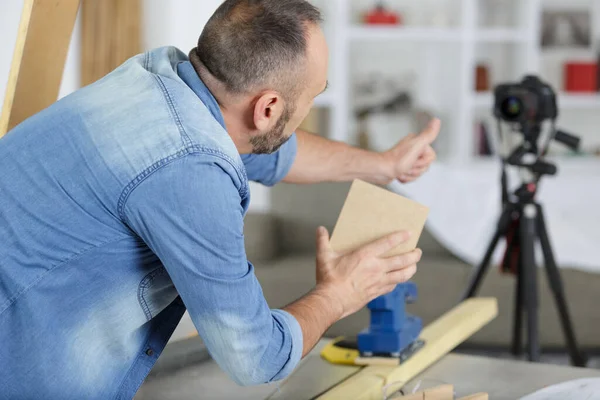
x=476, y=396
x=444, y=392
x=38, y=60
x=440, y=338
x=371, y=212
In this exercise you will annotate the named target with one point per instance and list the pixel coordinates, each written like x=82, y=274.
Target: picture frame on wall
x=566, y=29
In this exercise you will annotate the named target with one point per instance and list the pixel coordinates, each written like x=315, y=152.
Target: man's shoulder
x=193, y=175
x=142, y=116
x=198, y=162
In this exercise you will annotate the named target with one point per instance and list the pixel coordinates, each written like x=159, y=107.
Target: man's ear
x=267, y=110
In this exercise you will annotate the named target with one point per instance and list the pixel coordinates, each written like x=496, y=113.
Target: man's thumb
x=322, y=239
x=431, y=132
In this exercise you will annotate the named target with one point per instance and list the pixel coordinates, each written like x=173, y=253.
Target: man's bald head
x=252, y=45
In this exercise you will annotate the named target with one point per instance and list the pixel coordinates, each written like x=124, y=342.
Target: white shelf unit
x=419, y=34
x=468, y=36
x=566, y=101
x=502, y=35
x=483, y=100
x=579, y=101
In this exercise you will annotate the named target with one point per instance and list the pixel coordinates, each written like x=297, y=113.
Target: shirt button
x=149, y=352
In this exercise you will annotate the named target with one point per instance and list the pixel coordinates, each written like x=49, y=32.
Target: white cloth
x=588, y=389
x=464, y=203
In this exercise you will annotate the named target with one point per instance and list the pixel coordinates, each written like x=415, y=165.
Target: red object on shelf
x=581, y=77
x=382, y=16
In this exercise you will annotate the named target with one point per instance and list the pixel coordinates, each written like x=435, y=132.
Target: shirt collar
x=188, y=74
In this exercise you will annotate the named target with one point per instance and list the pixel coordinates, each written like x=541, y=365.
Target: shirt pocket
x=155, y=292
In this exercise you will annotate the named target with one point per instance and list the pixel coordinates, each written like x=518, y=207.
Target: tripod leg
x=518, y=317
x=529, y=274
x=479, y=271
x=554, y=279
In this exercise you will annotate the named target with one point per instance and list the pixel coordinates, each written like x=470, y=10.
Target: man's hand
x=346, y=283
x=413, y=155
x=353, y=280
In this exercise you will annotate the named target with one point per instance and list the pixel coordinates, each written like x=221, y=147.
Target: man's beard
x=271, y=141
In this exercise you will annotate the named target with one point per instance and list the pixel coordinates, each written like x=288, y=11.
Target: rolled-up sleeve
x=270, y=169
x=189, y=213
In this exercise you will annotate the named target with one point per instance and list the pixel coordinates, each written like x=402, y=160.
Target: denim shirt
x=122, y=205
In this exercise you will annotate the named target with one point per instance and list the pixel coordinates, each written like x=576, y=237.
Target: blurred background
x=394, y=64
x=438, y=57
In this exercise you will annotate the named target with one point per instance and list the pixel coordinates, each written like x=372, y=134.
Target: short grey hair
x=253, y=44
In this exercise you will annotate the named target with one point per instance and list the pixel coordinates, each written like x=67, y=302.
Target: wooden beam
x=110, y=34
x=476, y=396
x=440, y=338
x=39, y=59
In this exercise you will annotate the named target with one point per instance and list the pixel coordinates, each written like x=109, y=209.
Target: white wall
x=177, y=23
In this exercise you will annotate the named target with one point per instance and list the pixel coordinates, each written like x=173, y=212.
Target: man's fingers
x=421, y=145
x=420, y=165
x=417, y=172
x=431, y=132
x=402, y=275
x=405, y=178
x=385, y=244
x=413, y=174
x=427, y=157
x=404, y=260
x=389, y=288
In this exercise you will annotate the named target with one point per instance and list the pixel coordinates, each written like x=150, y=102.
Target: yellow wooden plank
x=441, y=337
x=414, y=396
x=444, y=392
x=476, y=396
x=38, y=60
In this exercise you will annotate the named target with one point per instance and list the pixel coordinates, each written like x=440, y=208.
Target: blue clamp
x=392, y=330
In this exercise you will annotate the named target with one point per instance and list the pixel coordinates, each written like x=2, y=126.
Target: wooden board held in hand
x=371, y=212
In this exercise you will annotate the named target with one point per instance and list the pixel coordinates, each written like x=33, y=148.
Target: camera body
x=530, y=101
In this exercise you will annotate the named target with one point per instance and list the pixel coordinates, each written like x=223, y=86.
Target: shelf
x=422, y=34
x=582, y=101
x=483, y=100
x=501, y=35
x=426, y=34
x=566, y=101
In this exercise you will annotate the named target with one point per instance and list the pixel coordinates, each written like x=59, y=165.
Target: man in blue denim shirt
x=122, y=205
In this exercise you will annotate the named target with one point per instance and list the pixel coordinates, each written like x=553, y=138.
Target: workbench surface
x=502, y=379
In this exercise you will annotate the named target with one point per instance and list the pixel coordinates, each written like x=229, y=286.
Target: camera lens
x=511, y=108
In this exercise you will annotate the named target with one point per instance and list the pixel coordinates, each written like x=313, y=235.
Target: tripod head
x=528, y=154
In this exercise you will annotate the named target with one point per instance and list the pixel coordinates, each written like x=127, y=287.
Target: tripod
x=527, y=215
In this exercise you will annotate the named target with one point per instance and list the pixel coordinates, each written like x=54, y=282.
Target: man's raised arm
x=322, y=160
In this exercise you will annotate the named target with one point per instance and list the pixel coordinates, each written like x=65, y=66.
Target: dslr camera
x=526, y=105
x=530, y=101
